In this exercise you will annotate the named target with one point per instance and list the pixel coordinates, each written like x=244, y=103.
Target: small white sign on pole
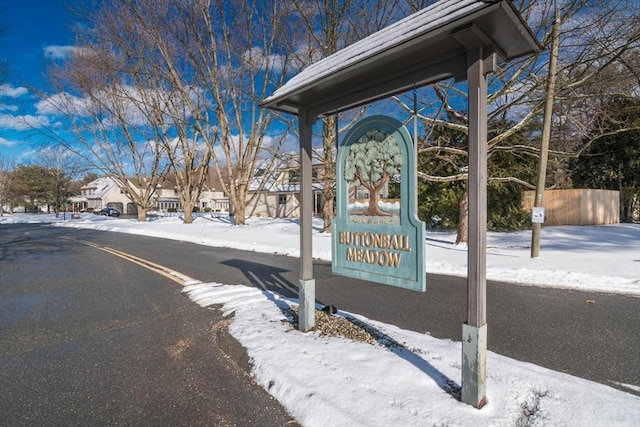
x=537, y=215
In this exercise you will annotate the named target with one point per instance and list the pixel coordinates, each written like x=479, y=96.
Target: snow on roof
x=295, y=187
x=408, y=46
x=101, y=186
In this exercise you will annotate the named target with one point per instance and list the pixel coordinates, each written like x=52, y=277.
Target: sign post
x=307, y=284
x=474, y=331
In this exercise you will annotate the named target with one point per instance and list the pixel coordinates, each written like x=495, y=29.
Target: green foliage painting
x=374, y=158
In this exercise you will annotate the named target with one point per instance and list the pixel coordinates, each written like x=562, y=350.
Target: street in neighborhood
x=87, y=336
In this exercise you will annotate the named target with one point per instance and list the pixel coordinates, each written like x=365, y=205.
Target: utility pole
x=546, y=130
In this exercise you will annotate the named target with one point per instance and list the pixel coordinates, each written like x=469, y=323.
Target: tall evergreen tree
x=612, y=161
x=31, y=184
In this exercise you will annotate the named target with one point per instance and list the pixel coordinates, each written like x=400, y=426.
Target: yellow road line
x=181, y=279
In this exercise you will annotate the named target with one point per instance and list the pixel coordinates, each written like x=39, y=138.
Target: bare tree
x=595, y=42
x=175, y=84
x=546, y=128
x=215, y=61
x=328, y=26
x=151, y=43
x=104, y=102
x=238, y=62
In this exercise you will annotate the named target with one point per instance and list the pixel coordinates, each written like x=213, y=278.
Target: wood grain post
x=306, y=290
x=474, y=342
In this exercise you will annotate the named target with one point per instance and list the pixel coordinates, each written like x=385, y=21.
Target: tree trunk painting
x=370, y=163
x=374, y=198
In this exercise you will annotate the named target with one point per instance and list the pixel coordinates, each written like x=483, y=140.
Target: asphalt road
x=86, y=337
x=591, y=335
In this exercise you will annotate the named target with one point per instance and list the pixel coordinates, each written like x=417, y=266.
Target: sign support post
x=474, y=331
x=307, y=288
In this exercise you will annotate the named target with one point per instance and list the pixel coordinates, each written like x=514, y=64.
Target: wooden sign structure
x=460, y=39
x=374, y=241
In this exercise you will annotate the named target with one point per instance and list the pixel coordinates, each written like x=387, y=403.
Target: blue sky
x=33, y=30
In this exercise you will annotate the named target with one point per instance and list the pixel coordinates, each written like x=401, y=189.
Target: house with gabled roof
x=105, y=192
x=102, y=193
x=279, y=196
x=210, y=199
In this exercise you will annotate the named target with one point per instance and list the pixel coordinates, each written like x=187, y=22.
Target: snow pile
x=333, y=381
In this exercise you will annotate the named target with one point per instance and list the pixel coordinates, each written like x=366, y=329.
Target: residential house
x=213, y=200
x=101, y=193
x=210, y=199
x=168, y=198
x=279, y=196
x=105, y=192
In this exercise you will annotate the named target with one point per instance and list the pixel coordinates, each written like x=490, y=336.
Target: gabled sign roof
x=422, y=48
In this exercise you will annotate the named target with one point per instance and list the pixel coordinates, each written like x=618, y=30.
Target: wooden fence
x=578, y=206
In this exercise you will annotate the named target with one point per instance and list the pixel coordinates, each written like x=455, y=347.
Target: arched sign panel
x=374, y=239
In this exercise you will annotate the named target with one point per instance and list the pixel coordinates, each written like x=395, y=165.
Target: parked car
x=110, y=212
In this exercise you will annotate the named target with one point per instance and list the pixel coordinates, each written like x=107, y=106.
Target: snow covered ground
x=333, y=381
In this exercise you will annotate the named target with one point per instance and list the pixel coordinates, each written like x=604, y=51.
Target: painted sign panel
x=375, y=239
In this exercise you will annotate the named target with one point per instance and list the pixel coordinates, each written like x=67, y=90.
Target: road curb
x=230, y=347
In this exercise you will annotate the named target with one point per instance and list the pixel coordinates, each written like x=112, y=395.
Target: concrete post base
x=474, y=365
x=307, y=312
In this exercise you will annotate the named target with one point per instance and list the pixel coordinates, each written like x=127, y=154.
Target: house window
x=282, y=199
x=294, y=175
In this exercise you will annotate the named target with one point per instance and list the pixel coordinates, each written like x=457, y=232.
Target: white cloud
x=8, y=142
x=24, y=122
x=27, y=155
x=257, y=59
x=12, y=92
x=46, y=106
x=129, y=101
x=290, y=143
x=59, y=52
x=55, y=103
x=6, y=107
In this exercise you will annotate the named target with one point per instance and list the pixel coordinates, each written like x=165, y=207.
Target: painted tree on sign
x=370, y=163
